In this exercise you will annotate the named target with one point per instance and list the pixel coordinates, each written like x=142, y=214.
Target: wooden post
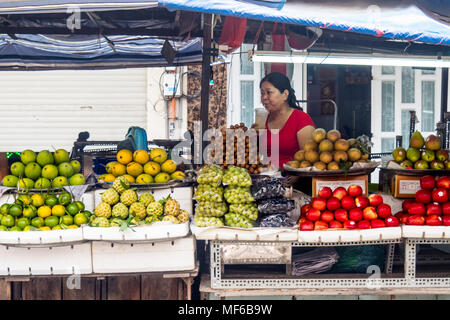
x=4, y=170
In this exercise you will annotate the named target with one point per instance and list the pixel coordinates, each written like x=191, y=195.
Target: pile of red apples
x=431, y=206
x=345, y=209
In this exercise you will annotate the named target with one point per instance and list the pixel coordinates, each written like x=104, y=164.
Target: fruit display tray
x=415, y=172
x=161, y=230
x=171, y=183
x=330, y=173
x=426, y=232
x=172, y=255
x=42, y=238
x=244, y=234
x=338, y=235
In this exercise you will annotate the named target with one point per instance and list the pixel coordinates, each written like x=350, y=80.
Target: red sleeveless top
x=287, y=136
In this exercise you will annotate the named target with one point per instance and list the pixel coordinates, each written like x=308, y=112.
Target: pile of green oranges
x=31, y=212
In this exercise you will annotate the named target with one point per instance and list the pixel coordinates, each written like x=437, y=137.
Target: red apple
x=341, y=215
x=335, y=224
x=349, y=224
x=406, y=203
x=327, y=216
x=307, y=226
x=375, y=199
x=318, y=203
x=417, y=208
x=348, y=202
x=443, y=182
x=355, y=214
x=416, y=220
x=446, y=208
x=339, y=192
x=363, y=224
x=313, y=214
x=304, y=209
x=301, y=220
x=446, y=220
x=362, y=202
x=433, y=208
x=377, y=223
x=392, y=221
x=320, y=225
x=404, y=218
x=433, y=220
x=384, y=210
x=427, y=182
x=370, y=213
x=325, y=192
x=423, y=196
x=354, y=190
x=439, y=195
x=333, y=203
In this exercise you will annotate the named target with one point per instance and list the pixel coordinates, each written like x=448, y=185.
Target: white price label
x=408, y=186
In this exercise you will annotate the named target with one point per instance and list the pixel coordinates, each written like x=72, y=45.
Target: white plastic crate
x=173, y=255
x=56, y=260
x=378, y=234
x=41, y=237
x=426, y=232
x=244, y=234
x=160, y=230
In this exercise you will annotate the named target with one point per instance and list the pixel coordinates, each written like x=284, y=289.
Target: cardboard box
x=344, y=181
x=404, y=186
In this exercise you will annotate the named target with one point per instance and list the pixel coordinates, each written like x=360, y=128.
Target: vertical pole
x=206, y=74
x=444, y=92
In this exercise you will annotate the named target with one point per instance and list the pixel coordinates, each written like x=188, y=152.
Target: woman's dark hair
x=281, y=82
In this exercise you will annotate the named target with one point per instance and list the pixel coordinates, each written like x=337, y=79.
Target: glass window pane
x=429, y=71
x=407, y=85
x=428, y=106
x=246, y=66
x=387, y=70
x=247, y=111
x=387, y=106
x=406, y=117
x=387, y=144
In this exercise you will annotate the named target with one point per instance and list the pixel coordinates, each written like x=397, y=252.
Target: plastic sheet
x=315, y=261
x=276, y=221
x=267, y=188
x=275, y=206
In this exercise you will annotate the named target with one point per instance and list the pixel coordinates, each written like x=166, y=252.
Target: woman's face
x=271, y=98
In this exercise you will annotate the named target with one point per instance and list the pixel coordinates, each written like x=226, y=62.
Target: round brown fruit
x=293, y=163
x=352, y=142
x=326, y=145
x=305, y=164
x=319, y=134
x=299, y=155
x=341, y=145
x=365, y=156
x=340, y=156
x=326, y=157
x=310, y=146
x=333, y=135
x=354, y=154
x=333, y=166
x=320, y=165
x=312, y=156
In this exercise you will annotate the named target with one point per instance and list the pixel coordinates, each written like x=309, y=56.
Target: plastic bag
x=267, y=189
x=275, y=206
x=238, y=195
x=235, y=176
x=249, y=210
x=211, y=209
x=202, y=221
x=210, y=174
x=276, y=221
x=238, y=221
x=206, y=192
x=315, y=261
x=356, y=259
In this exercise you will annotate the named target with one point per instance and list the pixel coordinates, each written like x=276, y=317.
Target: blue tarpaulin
x=402, y=22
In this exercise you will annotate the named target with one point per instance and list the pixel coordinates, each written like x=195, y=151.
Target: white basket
x=41, y=237
x=333, y=236
x=173, y=255
x=426, y=232
x=160, y=230
x=57, y=260
x=244, y=234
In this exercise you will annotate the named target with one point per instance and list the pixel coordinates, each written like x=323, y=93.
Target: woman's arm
x=304, y=135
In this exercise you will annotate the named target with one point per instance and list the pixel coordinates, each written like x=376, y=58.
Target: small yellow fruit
x=144, y=178
x=178, y=175
x=45, y=228
x=108, y=177
x=124, y=156
x=158, y=155
x=109, y=166
x=129, y=178
x=169, y=166
x=44, y=211
x=141, y=156
x=134, y=169
x=152, y=168
x=118, y=169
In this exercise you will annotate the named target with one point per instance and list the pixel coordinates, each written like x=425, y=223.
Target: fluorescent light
x=349, y=59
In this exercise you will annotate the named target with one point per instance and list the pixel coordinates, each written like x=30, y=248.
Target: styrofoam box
x=160, y=230
x=57, y=260
x=172, y=255
x=242, y=234
x=391, y=233
x=183, y=195
x=426, y=232
x=41, y=237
